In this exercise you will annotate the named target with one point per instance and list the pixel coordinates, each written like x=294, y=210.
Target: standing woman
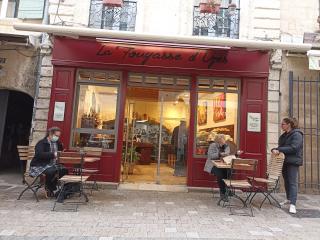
x=291, y=144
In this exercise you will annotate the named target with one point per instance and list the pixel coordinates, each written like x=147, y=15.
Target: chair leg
x=85, y=196
x=83, y=193
x=275, y=200
x=58, y=197
x=265, y=198
x=94, y=187
x=253, y=197
x=248, y=197
x=28, y=187
x=251, y=210
x=35, y=194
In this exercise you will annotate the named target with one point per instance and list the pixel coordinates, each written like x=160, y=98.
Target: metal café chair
x=26, y=153
x=92, y=156
x=268, y=186
x=240, y=170
x=76, y=162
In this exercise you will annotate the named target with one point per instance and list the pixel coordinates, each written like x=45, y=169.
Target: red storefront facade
x=251, y=68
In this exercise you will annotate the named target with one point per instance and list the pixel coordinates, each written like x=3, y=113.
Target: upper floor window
x=25, y=9
x=113, y=18
x=222, y=24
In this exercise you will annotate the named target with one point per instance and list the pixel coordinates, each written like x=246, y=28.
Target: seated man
x=45, y=160
x=217, y=150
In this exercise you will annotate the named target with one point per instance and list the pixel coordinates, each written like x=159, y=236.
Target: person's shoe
x=292, y=209
x=49, y=194
x=224, y=198
x=286, y=202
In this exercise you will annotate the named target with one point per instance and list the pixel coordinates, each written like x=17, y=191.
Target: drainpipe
x=318, y=20
x=45, y=21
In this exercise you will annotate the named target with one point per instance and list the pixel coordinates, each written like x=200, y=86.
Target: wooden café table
x=221, y=164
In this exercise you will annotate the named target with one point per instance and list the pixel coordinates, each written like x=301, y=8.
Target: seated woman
x=44, y=161
x=217, y=150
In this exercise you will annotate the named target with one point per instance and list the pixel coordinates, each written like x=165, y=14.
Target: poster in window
x=202, y=113
x=58, y=114
x=219, y=108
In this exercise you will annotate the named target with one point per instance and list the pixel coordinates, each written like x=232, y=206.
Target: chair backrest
x=240, y=164
x=26, y=153
x=274, y=169
x=92, y=151
x=75, y=158
x=241, y=169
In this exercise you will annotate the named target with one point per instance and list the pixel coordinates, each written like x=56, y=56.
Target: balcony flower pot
x=205, y=8
x=113, y=3
x=216, y=8
x=232, y=8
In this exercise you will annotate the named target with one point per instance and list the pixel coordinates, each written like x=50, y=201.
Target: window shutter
x=32, y=9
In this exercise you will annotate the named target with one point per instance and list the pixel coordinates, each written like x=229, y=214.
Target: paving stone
x=275, y=229
x=7, y=232
x=170, y=230
x=192, y=235
x=260, y=233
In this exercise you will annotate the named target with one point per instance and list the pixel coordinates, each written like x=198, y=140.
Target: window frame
x=230, y=33
x=212, y=90
x=103, y=24
x=76, y=102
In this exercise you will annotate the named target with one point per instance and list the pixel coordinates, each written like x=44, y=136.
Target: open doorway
x=156, y=133
x=15, y=123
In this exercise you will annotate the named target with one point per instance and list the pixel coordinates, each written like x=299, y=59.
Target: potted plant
x=128, y=165
x=232, y=8
x=210, y=6
x=205, y=7
x=216, y=6
x=113, y=3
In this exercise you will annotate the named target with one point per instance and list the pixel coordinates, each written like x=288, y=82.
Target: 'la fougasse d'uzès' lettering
x=208, y=57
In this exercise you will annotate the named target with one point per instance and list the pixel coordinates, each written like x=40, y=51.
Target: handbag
x=208, y=166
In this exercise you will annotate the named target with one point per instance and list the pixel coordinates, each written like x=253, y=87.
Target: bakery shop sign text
x=207, y=57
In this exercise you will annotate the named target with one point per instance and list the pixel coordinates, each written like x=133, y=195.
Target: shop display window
x=95, y=117
x=217, y=112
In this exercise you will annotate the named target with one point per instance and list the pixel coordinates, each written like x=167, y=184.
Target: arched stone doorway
x=15, y=122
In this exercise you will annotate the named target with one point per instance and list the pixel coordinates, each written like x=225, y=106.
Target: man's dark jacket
x=291, y=144
x=43, y=154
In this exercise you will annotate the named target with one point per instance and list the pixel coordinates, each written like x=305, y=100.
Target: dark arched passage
x=15, y=122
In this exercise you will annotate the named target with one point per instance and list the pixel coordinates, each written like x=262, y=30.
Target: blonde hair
x=220, y=137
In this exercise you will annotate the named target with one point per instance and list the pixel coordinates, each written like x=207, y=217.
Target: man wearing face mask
x=45, y=160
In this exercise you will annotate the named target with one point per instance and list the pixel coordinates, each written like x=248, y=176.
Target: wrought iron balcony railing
x=216, y=25
x=113, y=18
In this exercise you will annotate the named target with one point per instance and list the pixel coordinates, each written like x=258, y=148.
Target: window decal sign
x=59, y=109
x=254, y=122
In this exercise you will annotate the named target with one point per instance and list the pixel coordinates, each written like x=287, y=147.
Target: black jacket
x=291, y=144
x=43, y=154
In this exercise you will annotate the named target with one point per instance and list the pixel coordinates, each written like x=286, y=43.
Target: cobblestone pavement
x=124, y=214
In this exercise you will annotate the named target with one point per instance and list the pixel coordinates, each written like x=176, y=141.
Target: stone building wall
x=18, y=68
x=60, y=13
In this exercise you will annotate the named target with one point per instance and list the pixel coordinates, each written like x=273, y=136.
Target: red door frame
x=64, y=60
